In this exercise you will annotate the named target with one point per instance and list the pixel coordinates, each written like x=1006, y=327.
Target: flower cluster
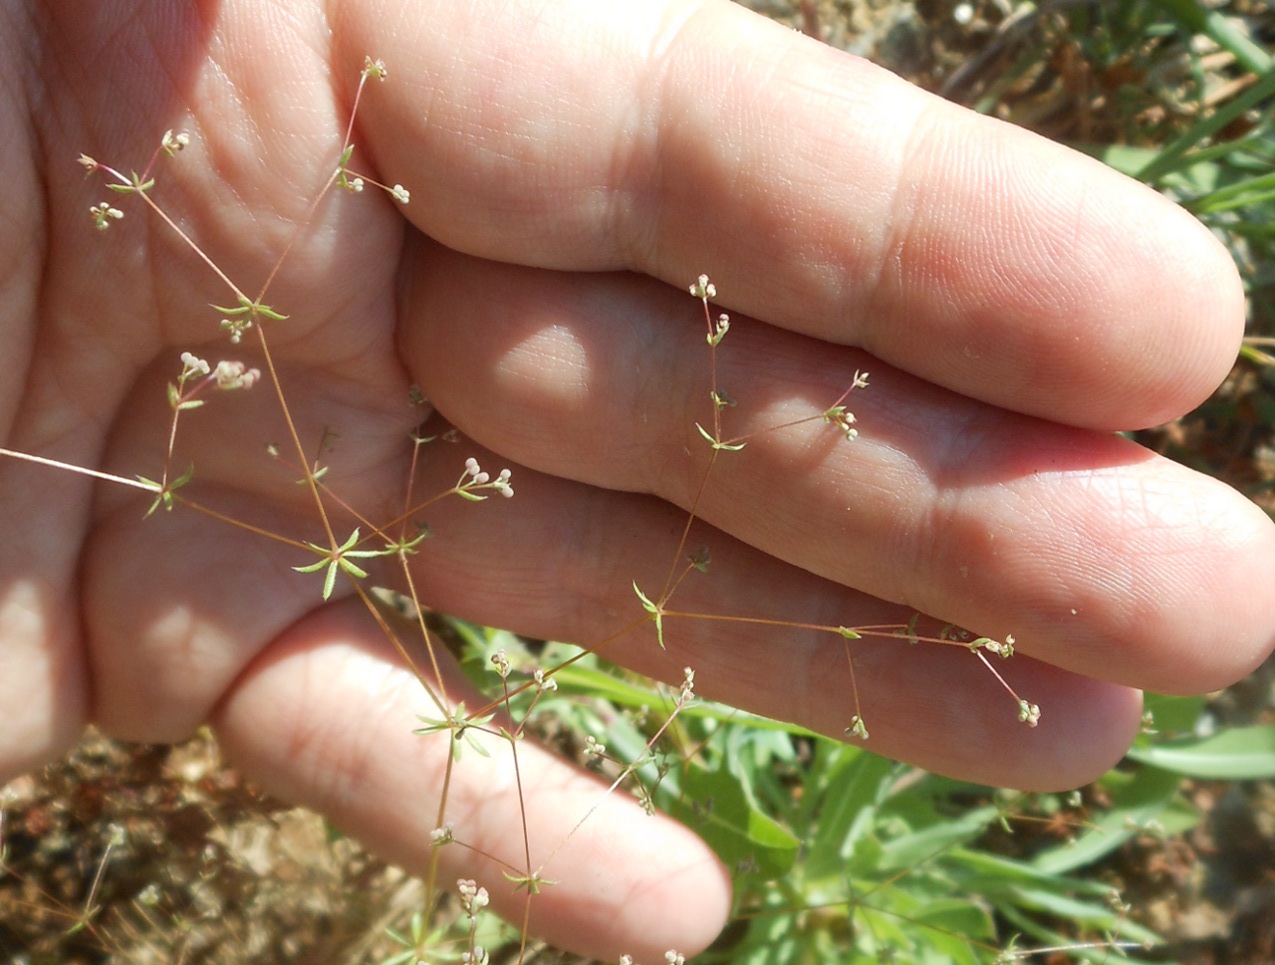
x=840, y=416
x=226, y=375
x=1003, y=650
x=703, y=289
x=236, y=327
x=688, y=687
x=500, y=660
x=474, y=478
x=472, y=898
x=103, y=214
x=172, y=143
x=672, y=957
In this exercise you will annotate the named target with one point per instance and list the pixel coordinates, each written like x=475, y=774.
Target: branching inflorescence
x=346, y=554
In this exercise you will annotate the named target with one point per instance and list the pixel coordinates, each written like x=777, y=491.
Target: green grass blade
x=1238, y=754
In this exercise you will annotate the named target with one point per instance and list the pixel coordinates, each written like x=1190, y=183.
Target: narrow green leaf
x=268, y=312
x=915, y=847
x=1150, y=795
x=352, y=569
x=655, y=611
x=647, y=605
x=1237, y=754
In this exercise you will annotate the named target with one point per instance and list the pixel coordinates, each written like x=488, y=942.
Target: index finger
x=823, y=194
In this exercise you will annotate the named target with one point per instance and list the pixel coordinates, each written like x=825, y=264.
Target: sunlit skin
x=573, y=166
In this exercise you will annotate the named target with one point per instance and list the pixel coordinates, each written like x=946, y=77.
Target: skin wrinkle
x=682, y=135
x=888, y=278
x=638, y=177
x=594, y=595
x=932, y=229
x=835, y=269
x=941, y=540
x=1062, y=268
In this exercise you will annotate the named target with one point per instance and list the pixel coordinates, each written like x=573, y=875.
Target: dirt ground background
x=141, y=854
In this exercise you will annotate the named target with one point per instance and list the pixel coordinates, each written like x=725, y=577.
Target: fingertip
x=1088, y=737
x=1041, y=280
x=968, y=728
x=330, y=719
x=1190, y=311
x=651, y=886
x=1222, y=626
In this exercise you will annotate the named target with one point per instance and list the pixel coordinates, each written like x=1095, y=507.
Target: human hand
x=573, y=167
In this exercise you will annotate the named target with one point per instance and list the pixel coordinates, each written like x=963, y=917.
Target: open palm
x=573, y=167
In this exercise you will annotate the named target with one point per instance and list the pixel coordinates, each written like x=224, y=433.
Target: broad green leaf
x=715, y=807
x=856, y=783
x=1170, y=717
x=961, y=916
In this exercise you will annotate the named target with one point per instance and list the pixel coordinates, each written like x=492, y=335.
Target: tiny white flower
x=172, y=143
x=501, y=484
